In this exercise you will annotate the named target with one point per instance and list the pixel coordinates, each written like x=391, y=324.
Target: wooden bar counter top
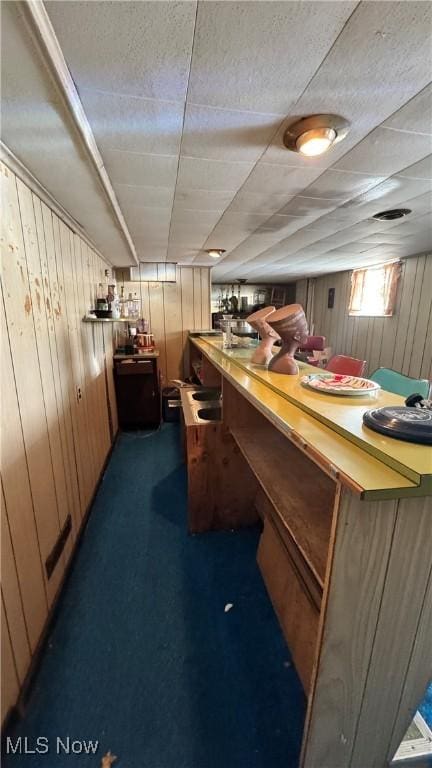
x=345, y=550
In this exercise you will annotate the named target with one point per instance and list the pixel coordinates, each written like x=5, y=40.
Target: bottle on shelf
x=123, y=304
x=113, y=301
x=133, y=306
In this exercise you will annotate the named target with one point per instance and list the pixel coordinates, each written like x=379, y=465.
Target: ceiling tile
x=385, y=152
x=229, y=135
x=242, y=222
x=282, y=225
x=308, y=206
x=233, y=67
x=131, y=197
x=420, y=170
x=256, y=202
x=348, y=248
x=150, y=251
x=251, y=246
x=416, y=115
x=132, y=124
x=202, y=199
x=224, y=237
x=342, y=186
x=140, y=170
x=198, y=219
x=279, y=180
x=136, y=48
x=179, y=253
x=152, y=223
x=381, y=237
x=197, y=173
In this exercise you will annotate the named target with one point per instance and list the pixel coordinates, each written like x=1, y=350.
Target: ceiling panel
x=309, y=206
x=224, y=134
x=279, y=179
x=259, y=79
x=144, y=170
x=386, y=152
x=202, y=199
x=132, y=124
x=342, y=186
x=188, y=103
x=420, y=170
x=135, y=48
x=198, y=173
x=416, y=115
x=258, y=202
x=131, y=197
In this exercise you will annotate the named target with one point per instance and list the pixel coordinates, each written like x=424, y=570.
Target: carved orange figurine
x=258, y=321
x=291, y=325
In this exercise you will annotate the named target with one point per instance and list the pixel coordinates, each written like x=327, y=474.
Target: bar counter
x=368, y=470
x=345, y=547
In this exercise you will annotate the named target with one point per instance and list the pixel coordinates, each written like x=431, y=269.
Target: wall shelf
x=107, y=320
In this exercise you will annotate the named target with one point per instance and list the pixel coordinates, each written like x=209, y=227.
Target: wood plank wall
x=402, y=342
x=172, y=309
x=58, y=416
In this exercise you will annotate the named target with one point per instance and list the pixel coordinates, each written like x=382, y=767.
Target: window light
x=373, y=290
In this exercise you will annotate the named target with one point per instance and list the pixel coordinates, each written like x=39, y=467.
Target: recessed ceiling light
x=215, y=252
x=395, y=213
x=314, y=135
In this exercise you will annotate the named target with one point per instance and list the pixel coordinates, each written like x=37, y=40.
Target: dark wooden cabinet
x=137, y=391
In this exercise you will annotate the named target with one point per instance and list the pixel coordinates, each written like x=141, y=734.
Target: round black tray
x=413, y=425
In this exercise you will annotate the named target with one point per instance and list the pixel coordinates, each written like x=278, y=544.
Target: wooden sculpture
x=263, y=353
x=291, y=325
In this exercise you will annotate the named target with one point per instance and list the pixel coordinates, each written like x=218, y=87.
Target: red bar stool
x=313, y=343
x=348, y=366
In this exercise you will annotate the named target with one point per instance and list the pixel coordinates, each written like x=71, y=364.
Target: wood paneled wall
x=58, y=414
x=402, y=342
x=172, y=309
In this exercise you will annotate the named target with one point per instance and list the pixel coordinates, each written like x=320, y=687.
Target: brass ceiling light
x=312, y=136
x=215, y=253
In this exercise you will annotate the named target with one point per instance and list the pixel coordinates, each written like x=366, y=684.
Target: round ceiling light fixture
x=394, y=213
x=215, y=253
x=314, y=135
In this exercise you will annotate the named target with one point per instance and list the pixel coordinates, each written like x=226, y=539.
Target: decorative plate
x=411, y=424
x=339, y=384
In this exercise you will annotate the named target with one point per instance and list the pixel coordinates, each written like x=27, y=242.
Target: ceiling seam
x=183, y=125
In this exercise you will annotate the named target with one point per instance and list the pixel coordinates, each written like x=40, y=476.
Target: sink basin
x=210, y=414
x=206, y=395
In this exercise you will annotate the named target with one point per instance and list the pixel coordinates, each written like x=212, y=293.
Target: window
x=373, y=291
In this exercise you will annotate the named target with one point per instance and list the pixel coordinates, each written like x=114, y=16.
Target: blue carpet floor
x=142, y=656
x=426, y=707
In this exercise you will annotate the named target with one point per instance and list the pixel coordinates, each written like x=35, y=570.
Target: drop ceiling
x=188, y=103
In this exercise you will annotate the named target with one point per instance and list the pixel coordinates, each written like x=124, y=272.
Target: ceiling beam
x=43, y=33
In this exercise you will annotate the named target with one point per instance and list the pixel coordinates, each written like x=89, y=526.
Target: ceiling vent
x=395, y=213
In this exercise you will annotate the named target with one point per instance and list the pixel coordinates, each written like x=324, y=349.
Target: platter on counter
x=411, y=424
x=339, y=384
